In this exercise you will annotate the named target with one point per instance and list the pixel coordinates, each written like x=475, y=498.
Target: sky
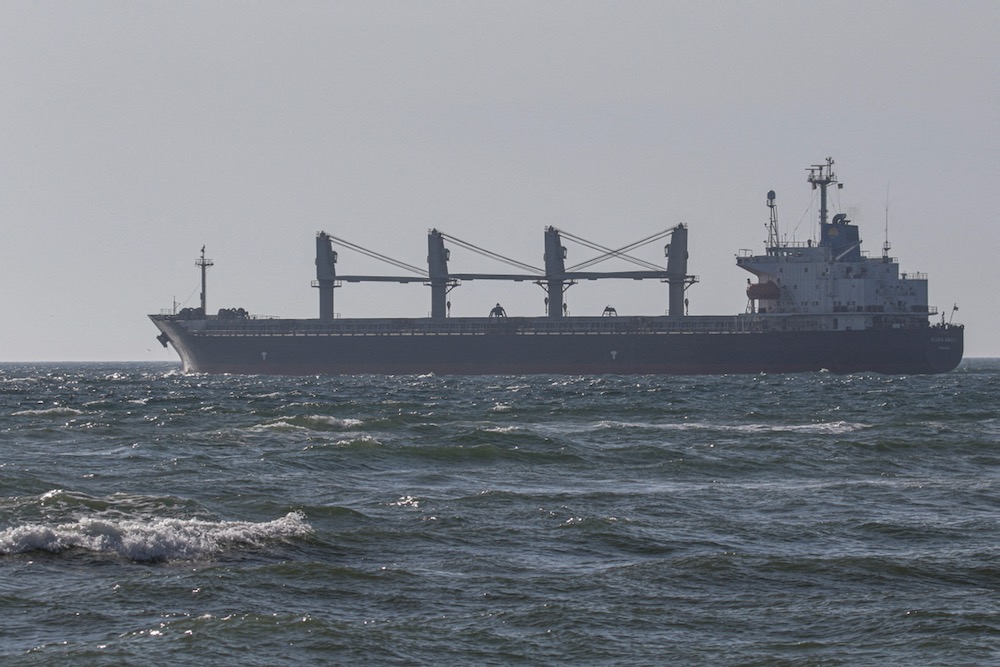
x=133, y=134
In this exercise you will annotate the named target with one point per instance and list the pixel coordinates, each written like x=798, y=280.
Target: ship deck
x=481, y=326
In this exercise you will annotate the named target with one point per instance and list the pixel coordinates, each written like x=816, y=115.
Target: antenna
x=886, y=246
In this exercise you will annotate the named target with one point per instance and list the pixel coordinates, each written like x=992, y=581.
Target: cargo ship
x=812, y=306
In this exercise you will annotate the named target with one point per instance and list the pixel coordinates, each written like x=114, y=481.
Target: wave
x=314, y=423
x=360, y=443
x=485, y=452
x=152, y=540
x=834, y=428
x=48, y=412
x=501, y=429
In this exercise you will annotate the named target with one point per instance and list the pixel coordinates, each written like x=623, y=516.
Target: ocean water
x=151, y=517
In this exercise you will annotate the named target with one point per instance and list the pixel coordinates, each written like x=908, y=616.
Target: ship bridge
x=834, y=277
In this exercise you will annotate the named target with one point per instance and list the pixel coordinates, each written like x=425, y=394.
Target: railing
x=477, y=326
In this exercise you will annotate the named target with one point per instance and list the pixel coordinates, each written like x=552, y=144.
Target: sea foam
x=48, y=412
x=154, y=540
x=314, y=423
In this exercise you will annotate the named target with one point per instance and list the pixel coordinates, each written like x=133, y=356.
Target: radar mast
x=821, y=175
x=203, y=264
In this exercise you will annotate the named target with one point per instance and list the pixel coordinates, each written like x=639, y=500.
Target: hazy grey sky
x=134, y=133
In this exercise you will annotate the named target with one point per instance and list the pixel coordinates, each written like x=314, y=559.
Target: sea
x=148, y=517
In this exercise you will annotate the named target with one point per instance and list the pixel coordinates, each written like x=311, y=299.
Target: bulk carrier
x=813, y=307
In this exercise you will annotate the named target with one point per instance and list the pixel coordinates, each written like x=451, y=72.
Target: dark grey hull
x=528, y=346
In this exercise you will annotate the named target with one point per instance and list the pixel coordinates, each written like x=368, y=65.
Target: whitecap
x=314, y=422
x=48, y=412
x=154, y=540
x=501, y=429
x=820, y=427
x=334, y=422
x=281, y=425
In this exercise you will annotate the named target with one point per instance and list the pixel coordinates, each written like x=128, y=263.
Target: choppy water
x=147, y=517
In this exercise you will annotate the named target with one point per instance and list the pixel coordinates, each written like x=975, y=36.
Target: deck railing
x=475, y=326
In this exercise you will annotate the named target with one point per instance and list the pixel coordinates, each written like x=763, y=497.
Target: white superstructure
x=832, y=284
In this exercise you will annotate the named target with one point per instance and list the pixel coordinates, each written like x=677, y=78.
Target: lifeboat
x=768, y=290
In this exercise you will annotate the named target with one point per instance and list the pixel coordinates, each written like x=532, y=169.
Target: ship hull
x=508, y=348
